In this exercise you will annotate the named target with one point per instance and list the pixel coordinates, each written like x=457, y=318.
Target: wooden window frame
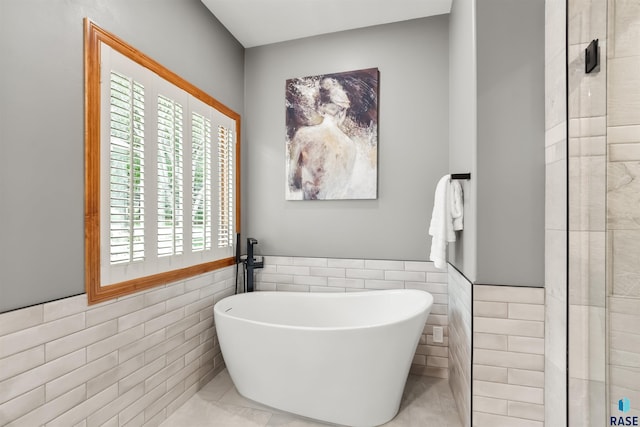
x=93, y=36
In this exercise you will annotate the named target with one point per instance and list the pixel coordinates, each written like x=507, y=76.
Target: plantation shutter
x=201, y=190
x=170, y=183
x=126, y=172
x=167, y=175
x=225, y=186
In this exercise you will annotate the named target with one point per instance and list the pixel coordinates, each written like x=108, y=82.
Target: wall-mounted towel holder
x=461, y=176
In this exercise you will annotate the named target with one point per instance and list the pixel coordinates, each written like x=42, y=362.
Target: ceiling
x=260, y=22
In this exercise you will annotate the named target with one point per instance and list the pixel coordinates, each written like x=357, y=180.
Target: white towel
x=445, y=219
x=457, y=205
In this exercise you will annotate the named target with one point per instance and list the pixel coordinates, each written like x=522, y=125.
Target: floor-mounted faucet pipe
x=251, y=263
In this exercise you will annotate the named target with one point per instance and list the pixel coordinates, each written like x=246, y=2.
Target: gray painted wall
x=427, y=74
x=510, y=150
x=41, y=121
x=413, y=150
x=463, y=127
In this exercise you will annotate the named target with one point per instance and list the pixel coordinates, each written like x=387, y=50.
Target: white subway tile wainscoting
x=460, y=342
x=130, y=361
x=508, y=356
x=300, y=274
x=136, y=360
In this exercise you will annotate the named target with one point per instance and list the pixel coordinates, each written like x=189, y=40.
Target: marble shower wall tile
x=556, y=152
x=623, y=134
x=587, y=225
x=588, y=135
x=623, y=203
x=588, y=146
x=556, y=264
x=624, y=152
x=587, y=193
x=626, y=268
x=587, y=92
x=623, y=91
x=587, y=272
x=624, y=351
x=585, y=20
x=623, y=196
x=624, y=27
x=623, y=208
x=556, y=175
x=555, y=33
x=587, y=404
x=556, y=195
x=555, y=332
x=555, y=83
x=555, y=380
x=587, y=349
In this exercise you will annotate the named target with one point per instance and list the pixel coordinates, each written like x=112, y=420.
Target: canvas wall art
x=332, y=136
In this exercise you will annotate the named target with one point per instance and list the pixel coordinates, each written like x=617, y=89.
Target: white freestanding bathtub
x=337, y=357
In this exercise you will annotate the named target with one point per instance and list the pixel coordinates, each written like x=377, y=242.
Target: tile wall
x=135, y=360
x=623, y=204
x=555, y=214
x=508, y=356
x=624, y=354
x=352, y=275
x=587, y=112
x=460, y=343
x=130, y=361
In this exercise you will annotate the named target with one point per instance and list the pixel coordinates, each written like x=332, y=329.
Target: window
x=161, y=173
x=126, y=176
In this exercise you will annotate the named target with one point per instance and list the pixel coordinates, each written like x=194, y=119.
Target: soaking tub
x=337, y=357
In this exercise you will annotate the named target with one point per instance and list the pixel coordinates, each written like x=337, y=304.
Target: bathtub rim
x=217, y=309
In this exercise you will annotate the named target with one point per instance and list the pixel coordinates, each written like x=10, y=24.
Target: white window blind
x=201, y=211
x=126, y=172
x=161, y=158
x=170, y=177
x=225, y=186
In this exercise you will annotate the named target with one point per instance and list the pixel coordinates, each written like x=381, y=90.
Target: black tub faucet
x=252, y=264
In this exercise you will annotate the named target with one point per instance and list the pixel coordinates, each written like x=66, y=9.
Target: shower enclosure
x=604, y=213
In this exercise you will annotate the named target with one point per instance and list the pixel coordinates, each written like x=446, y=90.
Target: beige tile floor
x=426, y=402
